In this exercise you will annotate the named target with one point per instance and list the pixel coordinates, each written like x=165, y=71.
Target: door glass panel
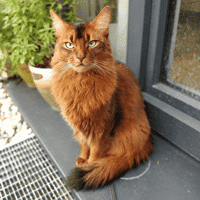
x=185, y=68
x=87, y=10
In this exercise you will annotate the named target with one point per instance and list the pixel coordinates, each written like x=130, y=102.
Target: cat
x=102, y=102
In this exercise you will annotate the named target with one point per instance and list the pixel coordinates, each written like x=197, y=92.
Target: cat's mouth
x=82, y=68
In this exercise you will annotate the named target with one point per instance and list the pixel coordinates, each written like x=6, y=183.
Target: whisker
x=103, y=67
x=64, y=67
x=107, y=63
x=61, y=69
x=103, y=63
x=100, y=67
x=97, y=67
x=108, y=71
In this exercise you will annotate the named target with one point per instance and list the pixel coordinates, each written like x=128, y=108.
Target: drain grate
x=26, y=173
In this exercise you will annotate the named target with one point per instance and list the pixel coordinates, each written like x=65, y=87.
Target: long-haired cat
x=101, y=100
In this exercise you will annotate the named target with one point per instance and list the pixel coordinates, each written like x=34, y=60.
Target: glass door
x=172, y=81
x=184, y=69
x=89, y=9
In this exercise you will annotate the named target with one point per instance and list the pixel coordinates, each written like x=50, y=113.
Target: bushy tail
x=98, y=173
x=104, y=171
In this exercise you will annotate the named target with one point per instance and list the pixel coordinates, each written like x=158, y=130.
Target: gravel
x=13, y=127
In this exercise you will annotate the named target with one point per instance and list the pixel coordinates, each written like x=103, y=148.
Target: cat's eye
x=69, y=45
x=92, y=43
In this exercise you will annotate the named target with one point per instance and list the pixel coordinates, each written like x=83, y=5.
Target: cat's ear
x=58, y=23
x=102, y=21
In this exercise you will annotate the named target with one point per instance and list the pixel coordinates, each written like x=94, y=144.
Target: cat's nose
x=81, y=57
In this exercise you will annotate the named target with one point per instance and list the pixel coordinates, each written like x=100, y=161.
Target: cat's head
x=83, y=47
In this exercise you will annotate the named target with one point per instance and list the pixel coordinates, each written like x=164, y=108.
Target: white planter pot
x=42, y=78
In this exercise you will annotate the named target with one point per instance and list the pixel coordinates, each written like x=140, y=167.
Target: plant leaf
x=59, y=6
x=30, y=29
x=22, y=60
x=32, y=20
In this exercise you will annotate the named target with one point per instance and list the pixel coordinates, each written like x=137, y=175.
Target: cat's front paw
x=80, y=161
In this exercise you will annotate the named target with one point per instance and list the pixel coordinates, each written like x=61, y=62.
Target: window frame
x=173, y=114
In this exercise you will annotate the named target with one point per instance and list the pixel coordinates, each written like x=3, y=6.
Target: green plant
x=25, y=30
x=113, y=5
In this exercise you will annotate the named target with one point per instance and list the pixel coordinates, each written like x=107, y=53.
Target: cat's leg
x=98, y=150
x=85, y=151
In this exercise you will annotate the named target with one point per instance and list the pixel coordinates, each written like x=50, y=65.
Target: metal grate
x=27, y=173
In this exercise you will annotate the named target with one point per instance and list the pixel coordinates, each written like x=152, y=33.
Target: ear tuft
x=103, y=18
x=58, y=23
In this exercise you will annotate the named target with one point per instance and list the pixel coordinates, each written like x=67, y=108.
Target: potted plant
x=7, y=70
x=26, y=37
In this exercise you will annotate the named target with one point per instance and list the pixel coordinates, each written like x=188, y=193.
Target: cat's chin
x=82, y=68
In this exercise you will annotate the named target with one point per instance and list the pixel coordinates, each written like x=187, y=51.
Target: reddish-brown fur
x=101, y=100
